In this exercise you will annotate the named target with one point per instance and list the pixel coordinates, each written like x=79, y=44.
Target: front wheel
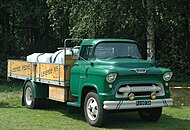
x=93, y=110
x=150, y=114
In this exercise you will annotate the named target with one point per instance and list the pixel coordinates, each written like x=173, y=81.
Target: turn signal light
x=131, y=96
x=153, y=95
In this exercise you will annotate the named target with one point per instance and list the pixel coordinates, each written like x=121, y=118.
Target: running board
x=74, y=104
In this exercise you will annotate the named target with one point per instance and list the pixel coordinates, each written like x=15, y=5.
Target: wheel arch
x=34, y=86
x=23, y=88
x=39, y=90
x=97, y=118
x=85, y=90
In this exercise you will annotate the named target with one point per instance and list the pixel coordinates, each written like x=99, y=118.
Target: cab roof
x=96, y=41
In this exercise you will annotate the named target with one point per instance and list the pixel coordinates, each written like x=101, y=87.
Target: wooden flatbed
x=56, y=76
x=50, y=73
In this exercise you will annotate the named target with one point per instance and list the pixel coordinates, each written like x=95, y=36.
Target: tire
x=94, y=113
x=150, y=114
x=29, y=100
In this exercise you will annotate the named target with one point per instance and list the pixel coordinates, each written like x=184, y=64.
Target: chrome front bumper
x=136, y=104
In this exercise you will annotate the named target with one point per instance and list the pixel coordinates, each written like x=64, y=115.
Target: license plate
x=140, y=103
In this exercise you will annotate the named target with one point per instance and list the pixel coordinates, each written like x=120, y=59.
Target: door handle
x=76, y=64
x=82, y=77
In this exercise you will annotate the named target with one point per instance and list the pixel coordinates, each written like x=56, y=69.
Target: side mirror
x=75, y=52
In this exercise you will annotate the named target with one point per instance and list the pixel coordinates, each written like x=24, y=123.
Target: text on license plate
x=139, y=103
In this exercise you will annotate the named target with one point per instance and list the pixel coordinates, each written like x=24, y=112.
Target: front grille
x=142, y=93
x=131, y=85
x=140, y=90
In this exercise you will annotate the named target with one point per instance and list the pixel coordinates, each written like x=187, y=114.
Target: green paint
x=39, y=90
x=92, y=72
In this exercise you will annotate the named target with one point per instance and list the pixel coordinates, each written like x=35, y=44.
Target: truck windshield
x=116, y=50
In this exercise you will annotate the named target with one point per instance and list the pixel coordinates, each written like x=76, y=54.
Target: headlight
x=167, y=76
x=111, y=77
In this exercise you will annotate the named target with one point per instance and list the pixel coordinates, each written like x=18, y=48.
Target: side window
x=86, y=52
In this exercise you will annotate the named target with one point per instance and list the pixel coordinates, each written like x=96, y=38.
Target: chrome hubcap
x=92, y=108
x=28, y=96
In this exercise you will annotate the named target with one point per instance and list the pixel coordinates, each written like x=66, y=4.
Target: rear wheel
x=29, y=100
x=150, y=114
x=93, y=110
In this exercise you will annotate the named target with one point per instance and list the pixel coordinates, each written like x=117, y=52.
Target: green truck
x=100, y=75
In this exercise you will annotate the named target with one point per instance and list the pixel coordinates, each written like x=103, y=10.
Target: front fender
x=163, y=70
x=91, y=87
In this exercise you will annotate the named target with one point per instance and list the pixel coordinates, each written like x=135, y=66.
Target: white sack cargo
x=45, y=58
x=33, y=57
x=58, y=56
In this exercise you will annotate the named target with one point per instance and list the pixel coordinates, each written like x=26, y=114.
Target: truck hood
x=128, y=67
x=125, y=63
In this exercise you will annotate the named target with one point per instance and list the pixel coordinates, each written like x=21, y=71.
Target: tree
x=150, y=30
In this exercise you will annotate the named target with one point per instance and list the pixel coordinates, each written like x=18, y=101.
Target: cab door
x=79, y=70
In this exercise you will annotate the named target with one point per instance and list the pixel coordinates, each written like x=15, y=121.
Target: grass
x=187, y=83
x=181, y=97
x=56, y=116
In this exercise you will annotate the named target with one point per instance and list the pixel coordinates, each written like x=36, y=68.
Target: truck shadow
x=125, y=120
x=7, y=105
x=132, y=121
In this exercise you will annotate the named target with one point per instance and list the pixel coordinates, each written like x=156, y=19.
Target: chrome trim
x=128, y=89
x=140, y=70
x=126, y=104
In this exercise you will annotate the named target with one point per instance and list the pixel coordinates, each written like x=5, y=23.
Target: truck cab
x=110, y=74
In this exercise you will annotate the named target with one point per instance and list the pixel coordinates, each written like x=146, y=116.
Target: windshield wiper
x=123, y=57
